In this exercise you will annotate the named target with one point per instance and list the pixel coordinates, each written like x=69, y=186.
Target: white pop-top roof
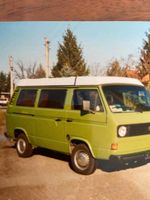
x=77, y=81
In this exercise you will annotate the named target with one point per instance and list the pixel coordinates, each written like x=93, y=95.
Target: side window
x=90, y=95
x=52, y=99
x=26, y=97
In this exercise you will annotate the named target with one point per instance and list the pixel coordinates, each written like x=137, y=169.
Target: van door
x=88, y=126
x=50, y=119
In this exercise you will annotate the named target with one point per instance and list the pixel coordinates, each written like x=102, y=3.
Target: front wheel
x=82, y=160
x=23, y=147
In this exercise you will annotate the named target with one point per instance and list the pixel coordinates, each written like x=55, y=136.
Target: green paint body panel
x=49, y=128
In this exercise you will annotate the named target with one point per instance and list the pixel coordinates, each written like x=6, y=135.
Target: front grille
x=137, y=129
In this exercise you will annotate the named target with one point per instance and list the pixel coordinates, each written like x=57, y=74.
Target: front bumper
x=135, y=157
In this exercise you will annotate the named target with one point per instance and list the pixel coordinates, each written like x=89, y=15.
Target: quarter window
x=26, y=98
x=52, y=99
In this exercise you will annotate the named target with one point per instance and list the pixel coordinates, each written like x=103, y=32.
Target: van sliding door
x=50, y=119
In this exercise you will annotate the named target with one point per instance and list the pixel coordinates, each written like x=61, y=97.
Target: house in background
x=134, y=73
x=4, y=98
x=146, y=81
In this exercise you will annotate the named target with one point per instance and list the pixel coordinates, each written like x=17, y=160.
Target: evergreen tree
x=70, y=58
x=3, y=82
x=144, y=65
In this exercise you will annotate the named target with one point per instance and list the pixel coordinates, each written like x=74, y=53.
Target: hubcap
x=82, y=160
x=21, y=145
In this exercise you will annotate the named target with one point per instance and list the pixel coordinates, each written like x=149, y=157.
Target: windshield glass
x=124, y=98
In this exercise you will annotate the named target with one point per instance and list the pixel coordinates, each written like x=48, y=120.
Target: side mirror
x=86, y=107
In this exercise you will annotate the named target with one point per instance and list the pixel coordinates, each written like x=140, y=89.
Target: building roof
x=146, y=79
x=77, y=81
x=133, y=73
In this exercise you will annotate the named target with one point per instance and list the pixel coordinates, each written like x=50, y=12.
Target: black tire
x=82, y=160
x=23, y=147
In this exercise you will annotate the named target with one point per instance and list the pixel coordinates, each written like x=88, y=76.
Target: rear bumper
x=141, y=156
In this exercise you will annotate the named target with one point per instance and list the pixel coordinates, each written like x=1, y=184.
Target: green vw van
x=89, y=118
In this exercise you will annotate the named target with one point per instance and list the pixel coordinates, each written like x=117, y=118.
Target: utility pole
x=47, y=69
x=11, y=75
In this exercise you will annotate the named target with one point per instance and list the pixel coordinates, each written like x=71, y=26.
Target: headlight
x=122, y=131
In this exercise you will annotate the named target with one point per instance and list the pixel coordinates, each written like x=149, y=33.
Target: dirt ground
x=47, y=175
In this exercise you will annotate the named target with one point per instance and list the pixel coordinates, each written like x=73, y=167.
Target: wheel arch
x=19, y=131
x=76, y=141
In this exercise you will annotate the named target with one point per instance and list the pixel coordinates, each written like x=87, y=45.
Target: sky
x=101, y=41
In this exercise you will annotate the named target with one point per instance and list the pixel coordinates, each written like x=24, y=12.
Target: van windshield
x=125, y=98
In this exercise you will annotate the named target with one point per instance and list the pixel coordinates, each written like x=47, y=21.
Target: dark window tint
x=26, y=98
x=87, y=95
x=52, y=98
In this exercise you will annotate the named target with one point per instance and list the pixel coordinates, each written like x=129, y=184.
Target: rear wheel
x=23, y=147
x=82, y=160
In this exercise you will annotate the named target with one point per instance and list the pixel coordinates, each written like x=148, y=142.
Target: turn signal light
x=114, y=146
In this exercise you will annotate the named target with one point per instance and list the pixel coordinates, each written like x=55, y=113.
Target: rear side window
x=26, y=98
x=52, y=99
x=14, y=97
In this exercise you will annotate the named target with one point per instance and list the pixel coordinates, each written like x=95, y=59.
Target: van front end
x=132, y=141
x=128, y=108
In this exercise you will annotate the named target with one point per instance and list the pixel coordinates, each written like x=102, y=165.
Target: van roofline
x=79, y=81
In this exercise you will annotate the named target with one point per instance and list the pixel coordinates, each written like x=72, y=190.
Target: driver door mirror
x=86, y=107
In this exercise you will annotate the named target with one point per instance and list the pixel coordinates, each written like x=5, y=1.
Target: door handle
x=69, y=120
x=58, y=120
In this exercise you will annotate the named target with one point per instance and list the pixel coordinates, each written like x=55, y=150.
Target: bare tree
x=97, y=70
x=40, y=73
x=115, y=69
x=32, y=71
x=20, y=72
x=120, y=67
